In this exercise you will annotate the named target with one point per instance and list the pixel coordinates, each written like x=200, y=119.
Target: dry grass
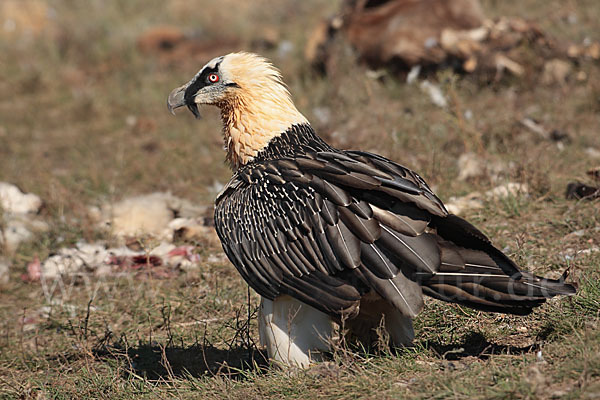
x=83, y=119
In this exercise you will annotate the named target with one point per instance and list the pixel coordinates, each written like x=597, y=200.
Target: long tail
x=476, y=274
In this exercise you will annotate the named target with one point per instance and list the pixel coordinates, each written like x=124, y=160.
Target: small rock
x=578, y=233
x=375, y=74
x=435, y=94
x=285, y=48
x=131, y=120
x=592, y=152
x=539, y=356
x=557, y=394
x=574, y=236
x=570, y=253
x=430, y=42
x=218, y=258
x=413, y=74
x=591, y=250
x=535, y=127
x=405, y=382
x=504, y=63
x=322, y=114
x=556, y=71
x=13, y=200
x=470, y=64
x=555, y=135
x=581, y=76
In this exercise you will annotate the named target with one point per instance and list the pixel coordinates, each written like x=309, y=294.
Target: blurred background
x=496, y=103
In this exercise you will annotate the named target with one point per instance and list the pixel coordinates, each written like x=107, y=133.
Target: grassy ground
x=83, y=120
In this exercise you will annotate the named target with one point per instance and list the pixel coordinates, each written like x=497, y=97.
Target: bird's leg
x=294, y=333
x=365, y=326
x=399, y=327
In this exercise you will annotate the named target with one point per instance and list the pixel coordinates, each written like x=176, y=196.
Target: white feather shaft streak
x=427, y=266
x=482, y=266
x=412, y=312
x=383, y=259
x=463, y=274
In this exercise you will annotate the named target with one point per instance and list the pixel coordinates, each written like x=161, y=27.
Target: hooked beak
x=178, y=99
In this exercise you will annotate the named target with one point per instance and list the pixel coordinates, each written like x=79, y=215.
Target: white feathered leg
x=294, y=333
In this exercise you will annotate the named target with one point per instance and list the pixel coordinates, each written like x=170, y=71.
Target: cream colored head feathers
x=255, y=104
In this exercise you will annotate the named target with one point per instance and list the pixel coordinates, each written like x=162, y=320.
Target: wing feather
x=327, y=227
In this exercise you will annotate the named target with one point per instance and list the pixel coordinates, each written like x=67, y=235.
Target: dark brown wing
x=328, y=226
x=311, y=227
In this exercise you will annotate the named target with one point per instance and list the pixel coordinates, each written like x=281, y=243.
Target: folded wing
x=327, y=227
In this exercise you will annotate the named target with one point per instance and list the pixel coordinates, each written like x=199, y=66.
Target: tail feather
x=476, y=274
x=481, y=304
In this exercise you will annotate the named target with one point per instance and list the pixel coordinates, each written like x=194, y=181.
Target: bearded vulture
x=329, y=236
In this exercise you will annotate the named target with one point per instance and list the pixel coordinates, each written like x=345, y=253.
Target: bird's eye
x=213, y=78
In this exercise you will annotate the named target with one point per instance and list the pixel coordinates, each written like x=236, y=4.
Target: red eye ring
x=213, y=78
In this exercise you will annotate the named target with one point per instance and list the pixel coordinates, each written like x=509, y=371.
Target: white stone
x=435, y=94
x=13, y=200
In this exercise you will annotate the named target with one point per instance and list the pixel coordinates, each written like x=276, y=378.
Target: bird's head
x=255, y=103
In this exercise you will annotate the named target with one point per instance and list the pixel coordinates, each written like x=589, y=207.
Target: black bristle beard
x=193, y=107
